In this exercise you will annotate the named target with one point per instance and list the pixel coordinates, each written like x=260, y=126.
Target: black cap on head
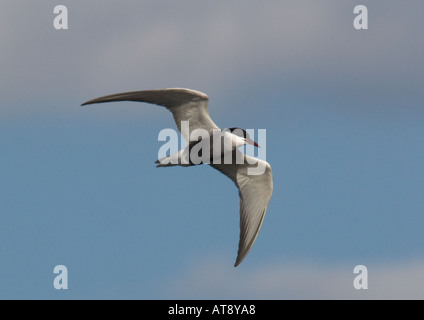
x=238, y=132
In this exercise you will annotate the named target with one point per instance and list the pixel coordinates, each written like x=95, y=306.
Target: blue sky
x=343, y=110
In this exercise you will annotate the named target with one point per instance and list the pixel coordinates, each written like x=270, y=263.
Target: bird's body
x=255, y=188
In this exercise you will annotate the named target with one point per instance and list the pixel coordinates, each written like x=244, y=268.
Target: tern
x=255, y=190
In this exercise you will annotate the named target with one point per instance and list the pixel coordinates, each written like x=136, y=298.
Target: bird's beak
x=249, y=141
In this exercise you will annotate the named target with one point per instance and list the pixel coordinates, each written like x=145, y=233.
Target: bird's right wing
x=185, y=105
x=255, y=191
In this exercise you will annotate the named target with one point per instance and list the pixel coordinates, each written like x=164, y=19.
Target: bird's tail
x=165, y=163
x=177, y=159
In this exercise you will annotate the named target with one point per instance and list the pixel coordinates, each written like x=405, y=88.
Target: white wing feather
x=185, y=105
x=255, y=192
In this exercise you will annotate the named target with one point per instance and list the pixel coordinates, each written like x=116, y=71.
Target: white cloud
x=216, y=279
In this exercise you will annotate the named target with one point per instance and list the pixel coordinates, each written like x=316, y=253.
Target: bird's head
x=245, y=138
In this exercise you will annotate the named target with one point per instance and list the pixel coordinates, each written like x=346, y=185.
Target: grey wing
x=185, y=105
x=255, y=191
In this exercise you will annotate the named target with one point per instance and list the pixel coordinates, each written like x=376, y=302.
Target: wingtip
x=97, y=100
x=238, y=261
x=87, y=102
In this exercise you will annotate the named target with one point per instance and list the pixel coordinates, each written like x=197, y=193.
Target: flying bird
x=255, y=190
